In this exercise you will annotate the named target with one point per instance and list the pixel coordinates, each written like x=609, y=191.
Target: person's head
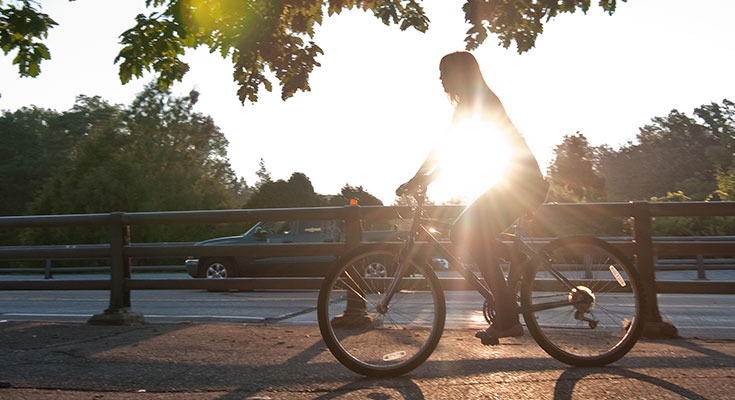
x=461, y=77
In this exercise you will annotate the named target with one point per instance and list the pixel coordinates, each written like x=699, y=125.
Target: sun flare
x=472, y=158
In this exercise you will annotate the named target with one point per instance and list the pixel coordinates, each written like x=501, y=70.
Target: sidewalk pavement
x=239, y=361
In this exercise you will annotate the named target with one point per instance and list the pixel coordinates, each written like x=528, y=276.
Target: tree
x=36, y=142
x=266, y=34
x=726, y=184
x=262, y=173
x=349, y=192
x=156, y=154
x=519, y=22
x=690, y=226
x=22, y=27
x=673, y=153
x=25, y=159
x=296, y=192
x=573, y=171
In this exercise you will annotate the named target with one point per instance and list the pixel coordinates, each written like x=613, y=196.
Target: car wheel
x=217, y=269
x=379, y=267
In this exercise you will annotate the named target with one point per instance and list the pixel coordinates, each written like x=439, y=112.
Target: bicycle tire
x=380, y=344
x=613, y=311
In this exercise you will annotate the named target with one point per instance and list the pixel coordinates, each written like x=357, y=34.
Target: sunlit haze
x=466, y=145
x=377, y=106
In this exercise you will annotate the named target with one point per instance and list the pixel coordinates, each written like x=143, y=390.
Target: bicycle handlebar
x=418, y=184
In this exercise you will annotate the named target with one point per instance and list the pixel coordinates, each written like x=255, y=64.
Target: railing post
x=48, y=274
x=655, y=326
x=587, y=266
x=353, y=227
x=701, y=274
x=355, y=315
x=119, y=311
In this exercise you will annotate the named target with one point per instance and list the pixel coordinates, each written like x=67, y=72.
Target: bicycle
x=580, y=298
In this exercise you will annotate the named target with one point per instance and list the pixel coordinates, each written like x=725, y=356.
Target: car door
x=315, y=231
x=272, y=232
x=301, y=231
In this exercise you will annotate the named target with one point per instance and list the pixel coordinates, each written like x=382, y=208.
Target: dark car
x=299, y=231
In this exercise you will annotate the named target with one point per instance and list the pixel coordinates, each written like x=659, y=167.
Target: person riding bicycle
x=521, y=190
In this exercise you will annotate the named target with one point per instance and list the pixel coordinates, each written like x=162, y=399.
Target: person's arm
x=430, y=164
x=426, y=173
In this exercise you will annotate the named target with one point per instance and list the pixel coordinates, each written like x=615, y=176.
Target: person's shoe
x=490, y=336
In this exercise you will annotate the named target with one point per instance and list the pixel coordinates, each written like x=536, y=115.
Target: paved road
x=701, y=316
x=266, y=346
x=236, y=361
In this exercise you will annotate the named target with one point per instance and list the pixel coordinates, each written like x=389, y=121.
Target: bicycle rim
x=606, y=321
x=373, y=343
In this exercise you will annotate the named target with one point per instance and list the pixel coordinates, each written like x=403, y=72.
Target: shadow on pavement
x=568, y=380
x=697, y=348
x=242, y=361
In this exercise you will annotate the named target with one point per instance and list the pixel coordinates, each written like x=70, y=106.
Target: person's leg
x=506, y=313
x=476, y=232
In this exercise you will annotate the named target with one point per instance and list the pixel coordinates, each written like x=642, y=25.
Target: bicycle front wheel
x=375, y=343
x=598, y=319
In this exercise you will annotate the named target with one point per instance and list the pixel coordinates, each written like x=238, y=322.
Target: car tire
x=216, y=268
x=381, y=266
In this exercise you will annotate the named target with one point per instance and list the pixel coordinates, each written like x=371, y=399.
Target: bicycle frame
x=418, y=228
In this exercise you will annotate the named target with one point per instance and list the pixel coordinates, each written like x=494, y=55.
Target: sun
x=473, y=157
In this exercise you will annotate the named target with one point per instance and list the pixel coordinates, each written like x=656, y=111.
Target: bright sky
x=377, y=105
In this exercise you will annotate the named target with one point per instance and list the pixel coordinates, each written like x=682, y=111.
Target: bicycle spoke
x=380, y=343
x=589, y=331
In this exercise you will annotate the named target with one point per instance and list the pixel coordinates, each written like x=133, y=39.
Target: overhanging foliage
x=267, y=35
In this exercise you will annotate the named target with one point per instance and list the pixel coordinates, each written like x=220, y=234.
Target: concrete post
x=588, y=266
x=701, y=274
x=655, y=326
x=48, y=274
x=353, y=227
x=119, y=312
x=355, y=315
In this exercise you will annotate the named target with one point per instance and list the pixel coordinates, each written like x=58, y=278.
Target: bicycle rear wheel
x=604, y=322
x=376, y=343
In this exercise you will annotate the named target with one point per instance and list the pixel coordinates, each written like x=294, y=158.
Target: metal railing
x=120, y=248
x=699, y=263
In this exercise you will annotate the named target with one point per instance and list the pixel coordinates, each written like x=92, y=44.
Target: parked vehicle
x=299, y=231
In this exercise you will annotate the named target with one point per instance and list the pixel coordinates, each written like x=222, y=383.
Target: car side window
x=276, y=227
x=331, y=230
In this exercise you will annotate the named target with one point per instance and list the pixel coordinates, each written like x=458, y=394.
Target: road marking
x=703, y=327
x=207, y=317
x=45, y=315
x=146, y=316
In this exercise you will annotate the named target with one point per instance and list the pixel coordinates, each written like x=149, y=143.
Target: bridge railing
x=120, y=249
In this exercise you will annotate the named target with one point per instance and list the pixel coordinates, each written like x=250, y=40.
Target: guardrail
x=699, y=263
x=120, y=249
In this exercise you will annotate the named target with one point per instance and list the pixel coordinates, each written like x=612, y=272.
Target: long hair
x=468, y=82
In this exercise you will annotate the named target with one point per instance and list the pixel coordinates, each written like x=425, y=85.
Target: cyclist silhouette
x=521, y=190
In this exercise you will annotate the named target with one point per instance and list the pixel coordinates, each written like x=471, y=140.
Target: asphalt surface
x=694, y=315
x=243, y=361
x=273, y=350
